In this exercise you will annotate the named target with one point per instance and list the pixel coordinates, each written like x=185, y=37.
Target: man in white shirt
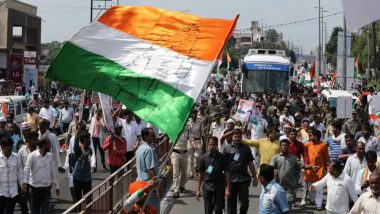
x=340, y=188
x=369, y=202
x=44, y=133
x=49, y=113
x=286, y=118
x=362, y=180
x=40, y=175
x=11, y=174
x=132, y=133
x=317, y=123
x=356, y=162
x=31, y=139
x=66, y=115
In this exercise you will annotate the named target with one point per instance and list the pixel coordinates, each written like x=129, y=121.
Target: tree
x=331, y=46
x=272, y=36
x=54, y=47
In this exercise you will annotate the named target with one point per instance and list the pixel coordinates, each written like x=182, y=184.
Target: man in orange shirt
x=318, y=156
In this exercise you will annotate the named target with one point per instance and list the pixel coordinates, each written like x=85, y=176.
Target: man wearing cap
x=11, y=174
x=179, y=159
x=195, y=146
x=352, y=125
x=49, y=113
x=225, y=139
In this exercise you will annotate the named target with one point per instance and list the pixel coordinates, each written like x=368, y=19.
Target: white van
x=15, y=104
x=332, y=95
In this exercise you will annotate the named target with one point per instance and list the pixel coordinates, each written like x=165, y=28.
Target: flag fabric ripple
x=152, y=60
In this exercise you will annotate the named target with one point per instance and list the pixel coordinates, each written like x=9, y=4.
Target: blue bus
x=264, y=69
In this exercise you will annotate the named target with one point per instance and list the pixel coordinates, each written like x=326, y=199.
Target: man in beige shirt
x=32, y=118
x=369, y=202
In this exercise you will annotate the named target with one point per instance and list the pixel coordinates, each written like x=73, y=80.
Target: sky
x=61, y=19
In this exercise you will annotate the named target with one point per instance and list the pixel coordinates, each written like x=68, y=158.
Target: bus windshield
x=260, y=80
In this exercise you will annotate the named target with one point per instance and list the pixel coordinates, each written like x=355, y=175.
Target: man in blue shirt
x=273, y=197
x=336, y=142
x=147, y=163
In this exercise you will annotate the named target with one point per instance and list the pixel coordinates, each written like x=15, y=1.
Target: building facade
x=20, y=45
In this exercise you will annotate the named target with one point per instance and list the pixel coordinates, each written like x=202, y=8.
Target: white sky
x=61, y=19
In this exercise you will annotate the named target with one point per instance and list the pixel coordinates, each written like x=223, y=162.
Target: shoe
x=182, y=189
x=93, y=170
x=303, y=203
x=191, y=176
x=104, y=166
x=319, y=208
x=176, y=195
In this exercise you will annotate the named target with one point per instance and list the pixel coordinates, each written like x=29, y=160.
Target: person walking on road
x=84, y=161
x=273, y=197
x=179, y=160
x=369, y=202
x=31, y=139
x=11, y=174
x=117, y=148
x=147, y=163
x=96, y=130
x=41, y=177
x=214, y=179
x=240, y=159
x=340, y=188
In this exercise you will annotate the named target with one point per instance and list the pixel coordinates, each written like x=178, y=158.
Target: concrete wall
x=3, y=25
x=21, y=6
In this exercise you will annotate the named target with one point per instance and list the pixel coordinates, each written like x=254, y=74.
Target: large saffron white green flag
x=152, y=60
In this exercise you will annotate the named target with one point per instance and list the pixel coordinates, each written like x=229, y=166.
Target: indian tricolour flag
x=152, y=60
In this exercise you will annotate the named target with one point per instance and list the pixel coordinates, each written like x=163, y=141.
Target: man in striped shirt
x=336, y=142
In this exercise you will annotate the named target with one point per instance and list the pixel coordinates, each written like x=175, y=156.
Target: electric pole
x=319, y=37
x=344, y=53
x=374, y=48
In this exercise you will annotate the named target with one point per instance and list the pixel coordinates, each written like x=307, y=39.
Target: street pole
x=374, y=49
x=319, y=37
x=322, y=46
x=91, y=8
x=344, y=53
x=325, y=58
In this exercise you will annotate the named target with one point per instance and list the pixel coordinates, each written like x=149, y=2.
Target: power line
x=294, y=23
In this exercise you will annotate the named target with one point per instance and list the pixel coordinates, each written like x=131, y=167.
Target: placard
x=344, y=107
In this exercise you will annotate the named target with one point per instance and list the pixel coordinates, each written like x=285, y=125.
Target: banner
x=344, y=107
x=16, y=68
x=30, y=76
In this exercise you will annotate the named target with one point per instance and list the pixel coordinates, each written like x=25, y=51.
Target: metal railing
x=108, y=196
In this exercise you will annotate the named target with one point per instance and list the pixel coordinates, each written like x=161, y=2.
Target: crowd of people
x=30, y=151
x=296, y=143
x=287, y=143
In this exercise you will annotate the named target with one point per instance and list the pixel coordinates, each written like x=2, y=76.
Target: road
x=187, y=203
x=59, y=205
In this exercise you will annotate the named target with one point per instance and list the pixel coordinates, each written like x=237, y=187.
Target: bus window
x=24, y=106
x=11, y=108
x=18, y=108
